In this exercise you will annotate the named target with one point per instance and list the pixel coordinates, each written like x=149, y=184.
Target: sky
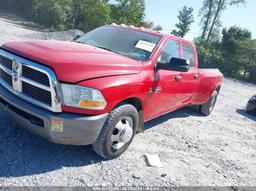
x=164, y=13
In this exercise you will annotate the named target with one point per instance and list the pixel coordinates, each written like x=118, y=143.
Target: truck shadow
x=24, y=154
x=181, y=113
x=244, y=113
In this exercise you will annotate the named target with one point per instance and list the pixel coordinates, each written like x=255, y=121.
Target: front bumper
x=61, y=128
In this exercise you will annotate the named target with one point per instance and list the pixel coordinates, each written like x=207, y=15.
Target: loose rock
x=153, y=160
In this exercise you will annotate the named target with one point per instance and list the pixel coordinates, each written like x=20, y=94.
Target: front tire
x=118, y=132
x=207, y=108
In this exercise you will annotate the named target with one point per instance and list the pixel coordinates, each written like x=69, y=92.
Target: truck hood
x=74, y=62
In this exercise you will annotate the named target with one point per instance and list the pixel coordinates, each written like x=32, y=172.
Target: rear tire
x=118, y=132
x=207, y=108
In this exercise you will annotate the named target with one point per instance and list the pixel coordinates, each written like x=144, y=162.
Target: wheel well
x=137, y=103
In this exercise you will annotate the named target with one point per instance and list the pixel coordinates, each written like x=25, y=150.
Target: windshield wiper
x=101, y=47
x=107, y=49
x=78, y=42
x=104, y=48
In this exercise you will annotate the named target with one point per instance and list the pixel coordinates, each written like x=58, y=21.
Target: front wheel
x=207, y=108
x=118, y=132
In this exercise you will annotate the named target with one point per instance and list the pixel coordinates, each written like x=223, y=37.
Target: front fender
x=115, y=90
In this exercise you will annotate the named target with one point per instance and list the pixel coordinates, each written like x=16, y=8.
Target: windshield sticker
x=144, y=45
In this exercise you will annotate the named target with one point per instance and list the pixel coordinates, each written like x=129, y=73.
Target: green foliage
x=64, y=14
x=237, y=48
x=158, y=28
x=94, y=13
x=80, y=14
x=151, y=25
x=234, y=55
x=209, y=53
x=50, y=13
x=130, y=12
x=185, y=20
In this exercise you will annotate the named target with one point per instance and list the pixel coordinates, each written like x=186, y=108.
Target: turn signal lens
x=91, y=104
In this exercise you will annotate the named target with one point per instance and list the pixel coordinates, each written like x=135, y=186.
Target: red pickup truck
x=100, y=89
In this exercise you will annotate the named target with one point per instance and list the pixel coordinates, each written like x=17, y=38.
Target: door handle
x=178, y=78
x=196, y=76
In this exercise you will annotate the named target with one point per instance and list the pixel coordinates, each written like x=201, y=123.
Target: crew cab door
x=166, y=90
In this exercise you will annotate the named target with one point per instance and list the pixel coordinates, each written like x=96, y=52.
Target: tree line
x=80, y=14
x=232, y=49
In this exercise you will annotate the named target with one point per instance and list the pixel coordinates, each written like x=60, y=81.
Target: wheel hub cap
x=126, y=135
x=123, y=133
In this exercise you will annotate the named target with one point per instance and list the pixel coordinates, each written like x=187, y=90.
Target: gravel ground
x=218, y=150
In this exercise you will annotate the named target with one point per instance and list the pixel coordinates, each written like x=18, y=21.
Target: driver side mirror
x=175, y=64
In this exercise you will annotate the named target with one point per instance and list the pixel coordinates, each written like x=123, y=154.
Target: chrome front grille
x=30, y=81
x=6, y=62
x=37, y=93
x=6, y=77
x=35, y=75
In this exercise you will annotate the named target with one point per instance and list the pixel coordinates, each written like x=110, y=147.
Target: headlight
x=82, y=97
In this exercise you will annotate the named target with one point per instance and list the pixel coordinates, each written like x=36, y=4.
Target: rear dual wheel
x=207, y=108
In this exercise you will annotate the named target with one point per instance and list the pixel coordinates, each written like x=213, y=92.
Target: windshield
x=133, y=44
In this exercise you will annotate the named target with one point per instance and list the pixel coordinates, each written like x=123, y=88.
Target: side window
x=172, y=49
x=189, y=54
